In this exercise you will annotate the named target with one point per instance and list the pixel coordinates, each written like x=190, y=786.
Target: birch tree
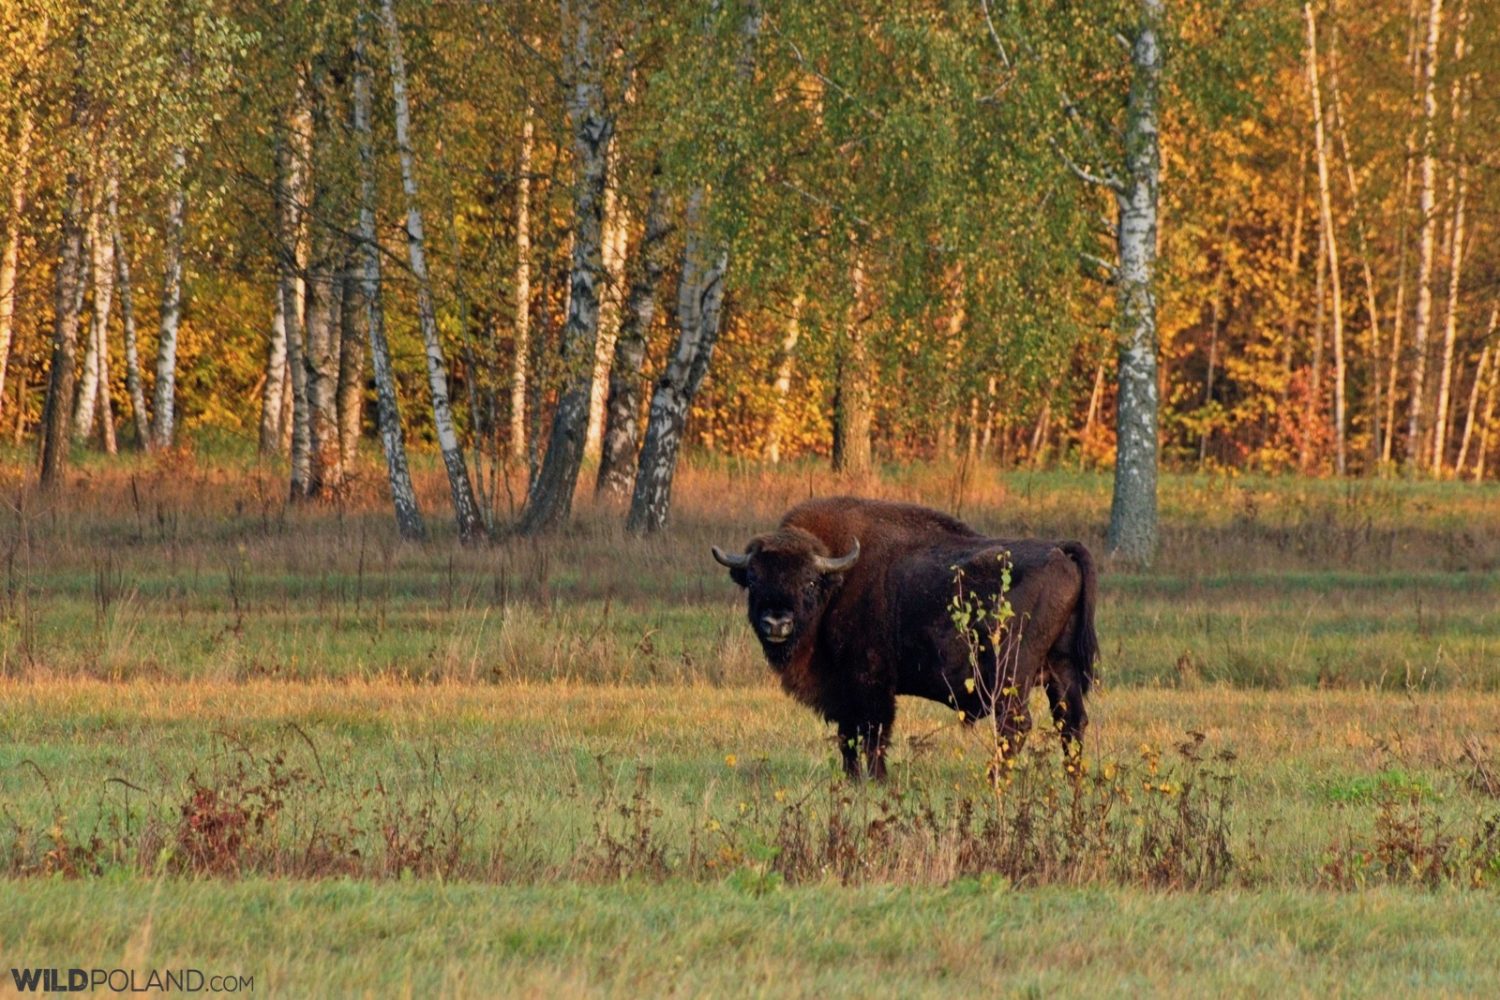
x=522, y=329
x=134, y=387
x=465, y=510
x=1416, y=422
x=164, y=402
x=1330, y=237
x=551, y=497
x=61, y=374
x=700, y=300
x=617, y=459
x=1459, y=187
x=392, y=437
x=11, y=253
x=292, y=158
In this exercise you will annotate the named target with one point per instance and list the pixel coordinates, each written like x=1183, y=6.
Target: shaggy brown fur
x=847, y=641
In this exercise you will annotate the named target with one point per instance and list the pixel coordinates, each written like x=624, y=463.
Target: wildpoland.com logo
x=128, y=981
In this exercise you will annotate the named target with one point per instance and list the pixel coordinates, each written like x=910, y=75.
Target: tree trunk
x=851, y=401
x=165, y=402
x=10, y=256
x=1416, y=425
x=320, y=347
x=103, y=254
x=273, y=391
x=353, y=311
x=783, y=385
x=1479, y=378
x=1460, y=190
x=1399, y=359
x=1325, y=206
x=61, y=374
x=392, y=439
x=84, y=402
x=133, y=385
x=616, y=232
x=551, y=497
x=1487, y=424
x=700, y=301
x=1132, y=516
x=523, y=292
x=1366, y=265
x=293, y=159
x=623, y=406
x=465, y=509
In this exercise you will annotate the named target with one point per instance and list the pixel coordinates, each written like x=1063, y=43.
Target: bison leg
x=867, y=739
x=1065, y=693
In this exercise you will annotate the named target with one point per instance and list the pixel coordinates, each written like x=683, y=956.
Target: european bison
x=853, y=603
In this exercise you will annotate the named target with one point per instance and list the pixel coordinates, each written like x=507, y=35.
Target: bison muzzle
x=856, y=601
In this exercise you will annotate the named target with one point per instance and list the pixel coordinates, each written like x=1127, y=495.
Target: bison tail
x=1085, y=651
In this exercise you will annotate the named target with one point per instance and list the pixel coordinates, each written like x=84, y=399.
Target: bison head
x=788, y=576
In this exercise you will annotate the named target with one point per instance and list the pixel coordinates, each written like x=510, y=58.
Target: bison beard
x=851, y=600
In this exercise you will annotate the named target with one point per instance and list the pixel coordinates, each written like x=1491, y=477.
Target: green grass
x=633, y=939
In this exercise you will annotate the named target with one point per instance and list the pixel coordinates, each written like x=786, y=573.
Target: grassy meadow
x=253, y=738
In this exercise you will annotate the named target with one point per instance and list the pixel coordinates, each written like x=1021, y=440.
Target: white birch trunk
x=1377, y=428
x=1479, y=378
x=351, y=393
x=700, y=300
x=1416, y=425
x=61, y=373
x=1398, y=311
x=133, y=385
x=1325, y=207
x=782, y=387
x=104, y=287
x=523, y=291
x=11, y=254
x=1487, y=422
x=1133, y=509
x=616, y=231
x=465, y=509
x=617, y=458
x=392, y=437
x=273, y=392
x=293, y=159
x=88, y=380
x=852, y=400
x=164, y=405
x=1460, y=187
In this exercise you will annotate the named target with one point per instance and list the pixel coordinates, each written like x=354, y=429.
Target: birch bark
x=164, y=404
x=1133, y=510
x=623, y=405
x=10, y=256
x=1416, y=424
x=700, y=300
x=61, y=373
x=523, y=291
x=133, y=385
x=1460, y=191
x=1325, y=208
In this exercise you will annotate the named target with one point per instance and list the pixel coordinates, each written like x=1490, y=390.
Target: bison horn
x=733, y=562
x=827, y=565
